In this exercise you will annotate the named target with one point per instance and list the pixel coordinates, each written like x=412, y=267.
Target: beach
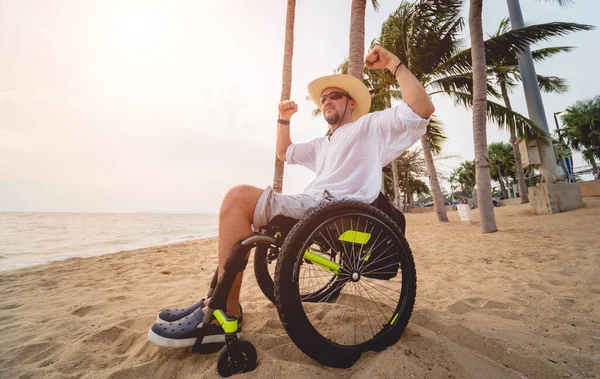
x=523, y=302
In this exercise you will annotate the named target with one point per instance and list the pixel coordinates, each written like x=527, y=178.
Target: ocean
x=28, y=239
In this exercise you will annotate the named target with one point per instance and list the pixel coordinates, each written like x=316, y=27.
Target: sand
x=522, y=302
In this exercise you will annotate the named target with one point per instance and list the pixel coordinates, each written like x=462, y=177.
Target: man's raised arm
x=413, y=92
x=286, y=109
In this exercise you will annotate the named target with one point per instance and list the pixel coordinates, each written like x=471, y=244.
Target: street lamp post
x=535, y=106
x=557, y=128
x=565, y=158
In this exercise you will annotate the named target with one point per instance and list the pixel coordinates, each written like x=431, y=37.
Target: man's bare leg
x=235, y=223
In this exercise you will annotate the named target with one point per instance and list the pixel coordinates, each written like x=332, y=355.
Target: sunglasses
x=334, y=96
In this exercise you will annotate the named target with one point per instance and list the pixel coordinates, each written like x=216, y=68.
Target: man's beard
x=332, y=118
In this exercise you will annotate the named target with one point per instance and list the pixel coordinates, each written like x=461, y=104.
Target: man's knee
x=241, y=198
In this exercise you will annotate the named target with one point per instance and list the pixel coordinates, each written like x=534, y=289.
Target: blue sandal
x=186, y=331
x=172, y=315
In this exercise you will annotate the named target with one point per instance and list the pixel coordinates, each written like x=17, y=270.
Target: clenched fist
x=286, y=109
x=379, y=58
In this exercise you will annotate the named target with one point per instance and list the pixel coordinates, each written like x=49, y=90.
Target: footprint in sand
x=460, y=308
x=497, y=305
x=82, y=311
x=566, y=303
x=34, y=352
x=48, y=284
x=123, y=344
x=6, y=318
x=10, y=306
x=106, y=336
x=464, y=306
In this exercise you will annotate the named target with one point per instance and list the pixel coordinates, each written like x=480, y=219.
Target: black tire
x=240, y=356
x=326, y=349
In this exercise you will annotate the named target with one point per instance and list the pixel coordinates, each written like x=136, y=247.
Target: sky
x=162, y=106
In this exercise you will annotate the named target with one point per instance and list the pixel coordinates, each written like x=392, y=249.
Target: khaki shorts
x=271, y=204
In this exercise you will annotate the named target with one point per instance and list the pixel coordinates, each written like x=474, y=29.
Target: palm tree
x=286, y=85
x=356, y=57
x=504, y=70
x=502, y=164
x=464, y=175
x=405, y=170
x=419, y=188
x=453, y=179
x=582, y=128
x=482, y=169
x=425, y=37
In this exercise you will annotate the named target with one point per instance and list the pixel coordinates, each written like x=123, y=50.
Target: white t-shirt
x=348, y=164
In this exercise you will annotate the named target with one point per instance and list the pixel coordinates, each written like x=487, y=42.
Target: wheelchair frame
x=232, y=359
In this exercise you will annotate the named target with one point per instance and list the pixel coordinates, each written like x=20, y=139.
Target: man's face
x=333, y=105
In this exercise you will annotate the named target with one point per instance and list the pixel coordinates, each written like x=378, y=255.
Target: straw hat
x=354, y=87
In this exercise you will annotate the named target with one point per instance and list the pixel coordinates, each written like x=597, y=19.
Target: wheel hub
x=355, y=276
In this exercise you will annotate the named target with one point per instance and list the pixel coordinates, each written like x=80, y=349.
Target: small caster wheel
x=239, y=356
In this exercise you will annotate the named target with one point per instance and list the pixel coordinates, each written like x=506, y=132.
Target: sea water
x=28, y=239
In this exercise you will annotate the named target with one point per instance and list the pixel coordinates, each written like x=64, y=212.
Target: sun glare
x=139, y=32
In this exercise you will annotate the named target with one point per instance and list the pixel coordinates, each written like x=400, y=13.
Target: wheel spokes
x=346, y=306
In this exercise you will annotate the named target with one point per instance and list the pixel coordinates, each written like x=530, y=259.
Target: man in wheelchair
x=347, y=164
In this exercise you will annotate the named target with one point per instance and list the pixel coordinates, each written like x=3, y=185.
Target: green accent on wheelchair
x=322, y=262
x=366, y=259
x=394, y=319
x=229, y=326
x=353, y=236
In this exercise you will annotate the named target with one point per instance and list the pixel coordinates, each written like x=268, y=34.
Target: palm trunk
x=436, y=191
x=516, y=152
x=286, y=82
x=594, y=165
x=395, y=179
x=406, y=198
x=409, y=198
x=356, y=55
x=482, y=168
x=502, y=187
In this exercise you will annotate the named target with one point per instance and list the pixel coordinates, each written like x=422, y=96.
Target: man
x=347, y=165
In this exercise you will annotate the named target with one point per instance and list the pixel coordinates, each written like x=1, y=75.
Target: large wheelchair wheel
x=375, y=280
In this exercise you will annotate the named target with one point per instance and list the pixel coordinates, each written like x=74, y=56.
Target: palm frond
x=435, y=135
x=562, y=3
x=424, y=34
x=504, y=118
x=581, y=122
x=510, y=44
x=392, y=93
x=460, y=83
x=375, y=4
x=504, y=26
x=540, y=55
x=552, y=84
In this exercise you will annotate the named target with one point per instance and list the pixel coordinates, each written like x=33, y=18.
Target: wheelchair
x=342, y=278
